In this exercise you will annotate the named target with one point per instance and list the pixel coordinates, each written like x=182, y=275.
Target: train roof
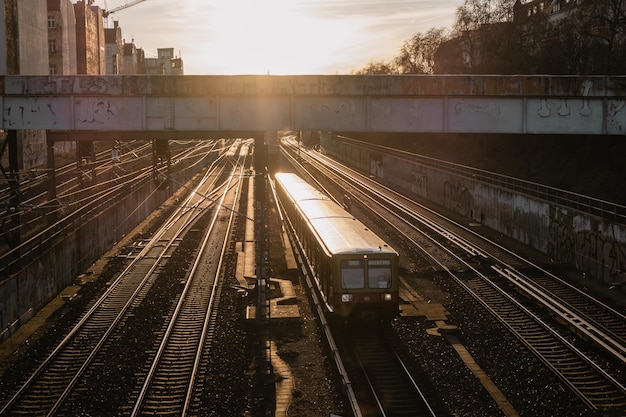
x=339, y=231
x=301, y=190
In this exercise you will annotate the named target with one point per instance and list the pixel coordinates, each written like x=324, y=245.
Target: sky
x=278, y=37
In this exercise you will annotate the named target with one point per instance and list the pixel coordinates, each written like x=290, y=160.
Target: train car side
x=355, y=271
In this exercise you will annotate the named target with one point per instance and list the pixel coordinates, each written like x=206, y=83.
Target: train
x=354, y=270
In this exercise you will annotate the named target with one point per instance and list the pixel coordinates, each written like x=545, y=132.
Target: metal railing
x=612, y=212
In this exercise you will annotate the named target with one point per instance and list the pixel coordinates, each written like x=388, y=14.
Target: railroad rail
x=75, y=204
x=384, y=384
x=594, y=206
x=170, y=386
x=57, y=383
x=34, y=185
x=491, y=274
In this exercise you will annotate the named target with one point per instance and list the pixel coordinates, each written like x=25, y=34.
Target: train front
x=366, y=285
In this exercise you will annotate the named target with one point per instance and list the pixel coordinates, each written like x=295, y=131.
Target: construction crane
x=106, y=13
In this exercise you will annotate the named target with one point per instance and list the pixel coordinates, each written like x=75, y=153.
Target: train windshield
x=352, y=274
x=379, y=273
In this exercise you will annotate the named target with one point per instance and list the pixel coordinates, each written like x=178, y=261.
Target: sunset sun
x=271, y=37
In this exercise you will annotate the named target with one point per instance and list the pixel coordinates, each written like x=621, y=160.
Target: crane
x=106, y=13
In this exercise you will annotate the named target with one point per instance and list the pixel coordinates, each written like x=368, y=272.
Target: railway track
x=74, y=204
x=376, y=381
x=34, y=189
x=55, y=386
x=384, y=385
x=170, y=386
x=491, y=274
x=595, y=386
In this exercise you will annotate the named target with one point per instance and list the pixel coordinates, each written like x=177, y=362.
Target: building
x=90, y=44
x=62, y=51
x=23, y=38
x=165, y=63
x=554, y=9
x=23, y=51
x=134, y=59
x=114, y=49
x=487, y=49
x=61, y=37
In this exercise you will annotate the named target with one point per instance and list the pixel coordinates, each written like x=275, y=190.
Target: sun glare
x=277, y=36
x=249, y=36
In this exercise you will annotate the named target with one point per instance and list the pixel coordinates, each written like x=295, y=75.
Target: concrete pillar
x=14, y=184
x=52, y=181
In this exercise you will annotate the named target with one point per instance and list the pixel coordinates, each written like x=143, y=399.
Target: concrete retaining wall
x=594, y=245
x=22, y=295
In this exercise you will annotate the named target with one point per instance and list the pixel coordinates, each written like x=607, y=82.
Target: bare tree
x=417, y=55
x=601, y=26
x=377, y=68
x=561, y=49
x=481, y=31
x=507, y=37
x=474, y=14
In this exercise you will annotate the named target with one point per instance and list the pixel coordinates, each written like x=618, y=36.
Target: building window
x=53, y=69
x=52, y=45
x=52, y=22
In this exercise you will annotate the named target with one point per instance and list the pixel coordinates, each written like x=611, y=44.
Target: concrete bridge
x=168, y=107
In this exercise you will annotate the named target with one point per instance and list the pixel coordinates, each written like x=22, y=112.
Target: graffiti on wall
x=458, y=198
x=29, y=113
x=95, y=111
x=561, y=245
x=600, y=256
x=419, y=182
x=530, y=227
x=596, y=254
x=505, y=215
x=376, y=165
x=34, y=149
x=615, y=122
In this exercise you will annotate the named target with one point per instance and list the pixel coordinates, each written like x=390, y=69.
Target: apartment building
x=554, y=9
x=90, y=43
x=61, y=37
x=134, y=59
x=165, y=63
x=23, y=51
x=114, y=49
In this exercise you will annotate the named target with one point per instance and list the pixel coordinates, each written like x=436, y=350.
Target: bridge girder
x=103, y=107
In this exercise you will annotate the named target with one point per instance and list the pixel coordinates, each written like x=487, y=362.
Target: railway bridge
x=168, y=107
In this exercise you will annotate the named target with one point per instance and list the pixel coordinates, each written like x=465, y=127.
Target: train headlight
x=346, y=298
x=386, y=297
